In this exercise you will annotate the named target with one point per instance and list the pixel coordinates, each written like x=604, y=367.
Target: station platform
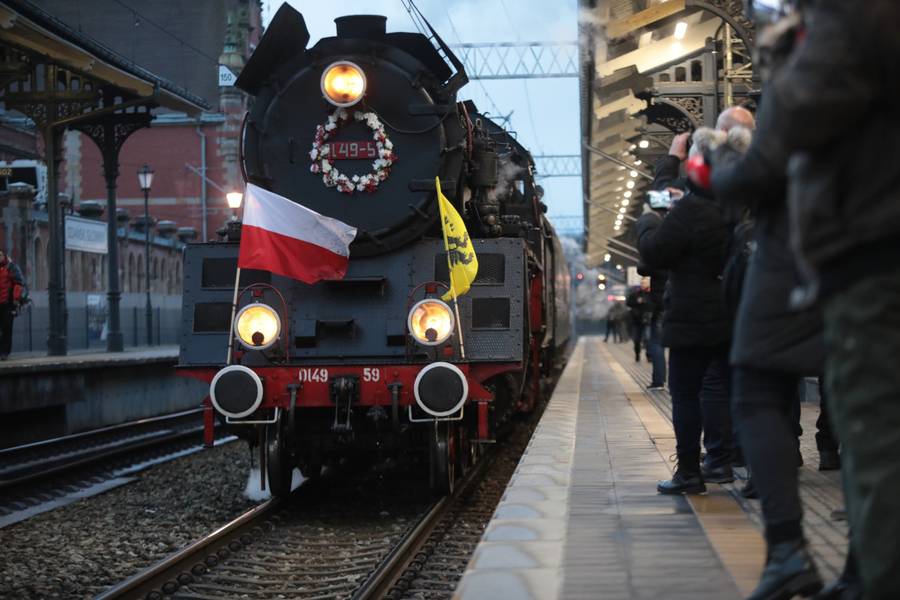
x=47, y=396
x=581, y=517
x=88, y=359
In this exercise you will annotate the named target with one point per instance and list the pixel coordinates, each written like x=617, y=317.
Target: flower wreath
x=323, y=164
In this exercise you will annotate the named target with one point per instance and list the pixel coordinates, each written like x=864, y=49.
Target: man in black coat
x=690, y=243
x=825, y=123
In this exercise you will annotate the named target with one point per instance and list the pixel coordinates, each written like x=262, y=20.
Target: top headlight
x=343, y=83
x=430, y=322
x=257, y=326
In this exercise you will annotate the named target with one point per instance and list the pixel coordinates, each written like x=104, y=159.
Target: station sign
x=86, y=235
x=226, y=76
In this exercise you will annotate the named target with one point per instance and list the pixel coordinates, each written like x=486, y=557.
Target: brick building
x=195, y=159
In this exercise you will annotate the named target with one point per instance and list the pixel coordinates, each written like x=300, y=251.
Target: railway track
x=376, y=547
x=42, y=475
x=301, y=547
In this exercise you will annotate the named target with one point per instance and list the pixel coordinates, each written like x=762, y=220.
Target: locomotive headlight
x=343, y=83
x=430, y=322
x=257, y=326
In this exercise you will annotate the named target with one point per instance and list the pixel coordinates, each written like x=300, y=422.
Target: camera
x=660, y=200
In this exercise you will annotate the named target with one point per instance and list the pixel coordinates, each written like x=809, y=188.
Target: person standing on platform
x=640, y=305
x=655, y=349
x=12, y=293
x=613, y=317
x=828, y=125
x=690, y=242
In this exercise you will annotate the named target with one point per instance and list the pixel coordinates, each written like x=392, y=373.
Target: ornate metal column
x=109, y=132
x=57, y=339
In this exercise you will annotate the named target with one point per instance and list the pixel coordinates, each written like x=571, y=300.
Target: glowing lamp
x=257, y=326
x=234, y=200
x=343, y=83
x=430, y=322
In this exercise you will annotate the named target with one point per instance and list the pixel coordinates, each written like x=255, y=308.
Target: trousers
x=862, y=338
x=765, y=405
x=656, y=351
x=6, y=326
x=699, y=383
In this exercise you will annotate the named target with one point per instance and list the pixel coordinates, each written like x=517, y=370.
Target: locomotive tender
x=356, y=128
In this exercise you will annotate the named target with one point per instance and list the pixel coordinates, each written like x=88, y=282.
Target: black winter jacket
x=690, y=242
x=825, y=120
x=768, y=333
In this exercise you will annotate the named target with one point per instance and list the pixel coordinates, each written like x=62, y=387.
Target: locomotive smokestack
x=361, y=26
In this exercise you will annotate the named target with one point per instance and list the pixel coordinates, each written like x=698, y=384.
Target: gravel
x=79, y=550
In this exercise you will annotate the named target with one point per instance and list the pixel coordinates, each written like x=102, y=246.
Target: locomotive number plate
x=317, y=375
x=352, y=150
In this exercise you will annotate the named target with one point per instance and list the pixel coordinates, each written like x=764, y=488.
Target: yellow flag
x=461, y=257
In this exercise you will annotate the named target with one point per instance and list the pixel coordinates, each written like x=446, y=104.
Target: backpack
x=740, y=247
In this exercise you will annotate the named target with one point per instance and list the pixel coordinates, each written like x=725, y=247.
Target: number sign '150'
x=352, y=150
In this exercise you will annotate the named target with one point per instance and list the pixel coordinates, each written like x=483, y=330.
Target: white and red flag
x=288, y=239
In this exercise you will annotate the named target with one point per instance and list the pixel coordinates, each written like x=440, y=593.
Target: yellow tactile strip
x=735, y=538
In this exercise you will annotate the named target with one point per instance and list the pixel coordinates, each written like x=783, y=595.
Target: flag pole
x=462, y=346
x=234, y=299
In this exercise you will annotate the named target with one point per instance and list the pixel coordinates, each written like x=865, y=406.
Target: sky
x=545, y=112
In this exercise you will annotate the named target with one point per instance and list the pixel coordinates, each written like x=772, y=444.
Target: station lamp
x=607, y=257
x=643, y=144
x=680, y=30
x=234, y=200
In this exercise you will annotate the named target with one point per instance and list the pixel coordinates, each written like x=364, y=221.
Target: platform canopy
x=39, y=37
x=62, y=79
x=650, y=69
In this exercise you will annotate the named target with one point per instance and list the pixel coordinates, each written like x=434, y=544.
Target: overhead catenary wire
x=144, y=19
x=534, y=130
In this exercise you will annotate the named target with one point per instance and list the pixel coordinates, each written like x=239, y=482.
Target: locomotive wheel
x=442, y=453
x=278, y=464
x=465, y=450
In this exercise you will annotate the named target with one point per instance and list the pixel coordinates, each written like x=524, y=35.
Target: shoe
x=841, y=588
x=737, y=458
x=799, y=458
x=637, y=358
x=829, y=460
x=682, y=483
x=720, y=474
x=656, y=386
x=749, y=490
x=789, y=571
x=839, y=514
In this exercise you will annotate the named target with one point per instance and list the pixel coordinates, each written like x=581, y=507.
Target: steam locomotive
x=356, y=128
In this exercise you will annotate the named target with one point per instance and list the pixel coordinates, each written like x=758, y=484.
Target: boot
x=717, y=474
x=829, y=460
x=683, y=482
x=789, y=571
x=749, y=490
x=846, y=587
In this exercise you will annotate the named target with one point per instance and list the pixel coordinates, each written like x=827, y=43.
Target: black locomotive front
x=357, y=128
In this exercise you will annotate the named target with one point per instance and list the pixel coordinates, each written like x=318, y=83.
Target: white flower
x=388, y=144
x=326, y=166
x=314, y=154
x=330, y=127
x=356, y=178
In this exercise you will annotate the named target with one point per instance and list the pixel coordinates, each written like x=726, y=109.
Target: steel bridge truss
x=519, y=60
